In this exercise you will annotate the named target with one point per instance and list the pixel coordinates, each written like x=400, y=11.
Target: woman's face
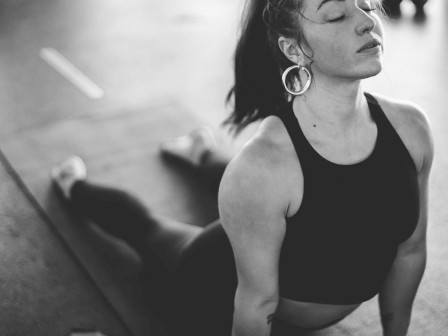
x=345, y=37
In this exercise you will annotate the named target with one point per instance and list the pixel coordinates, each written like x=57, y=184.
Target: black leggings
x=196, y=298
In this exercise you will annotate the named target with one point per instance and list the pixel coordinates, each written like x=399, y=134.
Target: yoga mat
x=44, y=290
x=120, y=149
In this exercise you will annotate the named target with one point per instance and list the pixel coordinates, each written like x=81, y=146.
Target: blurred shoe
x=68, y=172
x=190, y=148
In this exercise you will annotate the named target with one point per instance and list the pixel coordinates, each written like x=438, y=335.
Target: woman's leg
x=123, y=215
x=205, y=284
x=212, y=168
x=197, y=298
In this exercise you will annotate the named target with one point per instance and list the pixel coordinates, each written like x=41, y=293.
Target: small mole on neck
x=314, y=125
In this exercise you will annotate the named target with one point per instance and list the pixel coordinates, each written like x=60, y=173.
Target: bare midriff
x=308, y=315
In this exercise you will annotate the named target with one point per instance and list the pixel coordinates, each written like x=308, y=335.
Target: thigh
x=213, y=166
x=206, y=283
x=204, y=289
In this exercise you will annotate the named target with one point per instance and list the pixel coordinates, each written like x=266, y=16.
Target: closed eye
x=340, y=18
x=369, y=9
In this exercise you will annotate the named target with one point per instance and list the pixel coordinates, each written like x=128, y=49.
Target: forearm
x=397, y=323
x=398, y=293
x=253, y=318
x=252, y=322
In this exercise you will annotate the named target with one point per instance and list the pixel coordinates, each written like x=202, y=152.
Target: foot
x=190, y=148
x=68, y=172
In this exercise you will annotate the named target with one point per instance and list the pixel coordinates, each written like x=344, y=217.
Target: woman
x=323, y=208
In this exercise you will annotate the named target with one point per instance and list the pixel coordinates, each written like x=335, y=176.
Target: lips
x=372, y=43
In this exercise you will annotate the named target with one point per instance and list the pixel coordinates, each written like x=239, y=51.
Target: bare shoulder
x=412, y=124
x=405, y=113
x=258, y=175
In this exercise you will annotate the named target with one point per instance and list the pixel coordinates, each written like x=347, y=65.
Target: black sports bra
x=340, y=245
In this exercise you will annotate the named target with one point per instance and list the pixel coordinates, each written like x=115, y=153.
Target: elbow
x=414, y=246
x=413, y=257
x=415, y=250
x=267, y=303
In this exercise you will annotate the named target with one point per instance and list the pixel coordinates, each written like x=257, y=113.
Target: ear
x=291, y=50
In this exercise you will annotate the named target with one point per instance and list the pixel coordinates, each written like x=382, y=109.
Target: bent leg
x=206, y=282
x=125, y=217
x=212, y=167
x=205, y=285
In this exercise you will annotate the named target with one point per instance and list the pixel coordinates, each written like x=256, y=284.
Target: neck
x=336, y=103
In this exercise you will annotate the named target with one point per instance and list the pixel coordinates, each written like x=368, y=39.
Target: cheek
x=329, y=51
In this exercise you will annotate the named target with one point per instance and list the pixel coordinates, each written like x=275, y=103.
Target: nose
x=366, y=23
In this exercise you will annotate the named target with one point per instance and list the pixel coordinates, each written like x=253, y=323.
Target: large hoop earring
x=305, y=87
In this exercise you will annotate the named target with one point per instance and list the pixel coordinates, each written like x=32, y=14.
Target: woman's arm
x=398, y=292
x=252, y=209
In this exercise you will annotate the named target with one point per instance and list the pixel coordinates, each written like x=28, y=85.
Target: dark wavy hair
x=258, y=90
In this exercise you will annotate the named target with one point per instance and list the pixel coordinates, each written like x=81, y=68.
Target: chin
x=373, y=72
x=370, y=70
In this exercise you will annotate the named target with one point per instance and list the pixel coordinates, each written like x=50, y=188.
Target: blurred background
x=109, y=80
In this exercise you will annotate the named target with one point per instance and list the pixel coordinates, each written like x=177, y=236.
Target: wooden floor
x=165, y=68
